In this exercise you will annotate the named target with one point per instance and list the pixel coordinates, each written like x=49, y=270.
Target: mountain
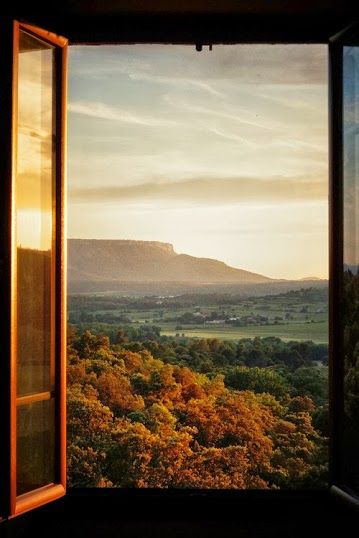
x=111, y=260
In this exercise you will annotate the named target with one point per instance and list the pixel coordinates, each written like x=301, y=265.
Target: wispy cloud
x=232, y=136
x=100, y=110
x=215, y=112
x=251, y=64
x=208, y=191
x=252, y=131
x=177, y=81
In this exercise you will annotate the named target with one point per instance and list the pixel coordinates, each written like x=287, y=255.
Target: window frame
x=349, y=36
x=148, y=27
x=10, y=503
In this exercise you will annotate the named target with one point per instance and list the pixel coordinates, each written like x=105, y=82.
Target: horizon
x=222, y=154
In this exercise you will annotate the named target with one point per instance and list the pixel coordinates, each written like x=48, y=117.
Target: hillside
x=97, y=260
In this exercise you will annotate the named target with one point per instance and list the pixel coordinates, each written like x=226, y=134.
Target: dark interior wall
x=189, y=21
x=111, y=7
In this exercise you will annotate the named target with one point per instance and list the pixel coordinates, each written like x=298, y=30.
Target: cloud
x=232, y=115
x=267, y=64
x=209, y=192
x=97, y=63
x=232, y=136
x=176, y=81
x=250, y=64
x=246, y=118
x=95, y=109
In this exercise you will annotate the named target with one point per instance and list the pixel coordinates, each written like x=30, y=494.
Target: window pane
x=351, y=266
x=35, y=445
x=34, y=215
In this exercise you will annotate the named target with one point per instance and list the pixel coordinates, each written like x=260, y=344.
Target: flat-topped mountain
x=115, y=260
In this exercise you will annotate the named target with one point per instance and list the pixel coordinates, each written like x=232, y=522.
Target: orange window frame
x=27, y=501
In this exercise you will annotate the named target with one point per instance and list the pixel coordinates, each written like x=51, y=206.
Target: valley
x=296, y=315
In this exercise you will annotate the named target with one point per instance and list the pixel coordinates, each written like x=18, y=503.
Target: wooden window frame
x=10, y=503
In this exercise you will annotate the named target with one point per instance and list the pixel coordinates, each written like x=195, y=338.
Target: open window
x=32, y=265
x=34, y=443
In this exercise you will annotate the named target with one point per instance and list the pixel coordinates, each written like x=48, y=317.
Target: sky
x=222, y=153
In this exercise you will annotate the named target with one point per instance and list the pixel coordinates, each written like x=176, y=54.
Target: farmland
x=295, y=315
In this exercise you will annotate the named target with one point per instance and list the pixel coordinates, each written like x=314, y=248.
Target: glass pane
x=35, y=445
x=34, y=214
x=351, y=266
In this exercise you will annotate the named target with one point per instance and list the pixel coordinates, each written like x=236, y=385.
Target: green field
x=294, y=315
x=317, y=332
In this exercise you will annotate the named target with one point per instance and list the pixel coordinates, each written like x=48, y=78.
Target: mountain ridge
x=147, y=261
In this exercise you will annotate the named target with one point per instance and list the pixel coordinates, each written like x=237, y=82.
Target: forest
x=147, y=410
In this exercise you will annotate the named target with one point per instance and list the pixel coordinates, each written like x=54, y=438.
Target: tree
x=258, y=380
x=116, y=392
x=89, y=425
x=311, y=381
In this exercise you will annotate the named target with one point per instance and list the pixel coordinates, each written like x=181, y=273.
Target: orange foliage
x=135, y=421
